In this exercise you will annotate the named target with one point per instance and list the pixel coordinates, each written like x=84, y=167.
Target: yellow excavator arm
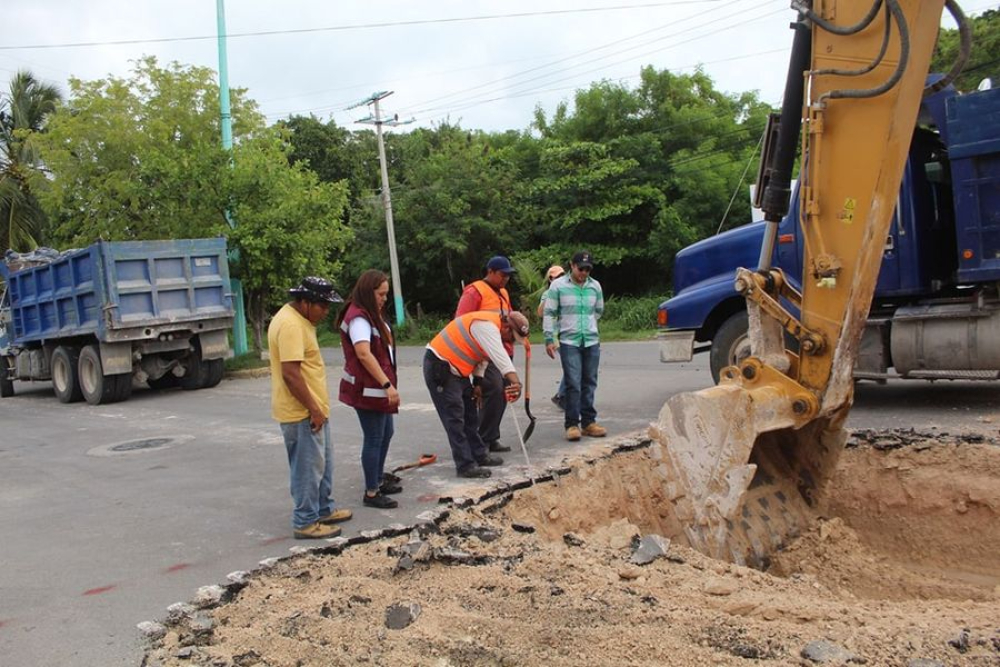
x=745, y=462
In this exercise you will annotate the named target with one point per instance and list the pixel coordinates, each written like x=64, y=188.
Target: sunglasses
x=585, y=269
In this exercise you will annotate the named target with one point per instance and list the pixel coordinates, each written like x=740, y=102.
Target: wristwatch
x=386, y=384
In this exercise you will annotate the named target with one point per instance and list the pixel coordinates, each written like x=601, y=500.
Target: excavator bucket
x=745, y=463
x=741, y=479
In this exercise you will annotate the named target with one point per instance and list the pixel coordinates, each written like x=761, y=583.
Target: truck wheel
x=65, y=378
x=215, y=369
x=6, y=384
x=731, y=344
x=97, y=388
x=166, y=381
x=197, y=373
x=123, y=390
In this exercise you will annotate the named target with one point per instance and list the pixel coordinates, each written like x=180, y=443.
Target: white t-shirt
x=361, y=331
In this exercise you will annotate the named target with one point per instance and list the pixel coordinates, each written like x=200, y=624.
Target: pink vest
x=358, y=388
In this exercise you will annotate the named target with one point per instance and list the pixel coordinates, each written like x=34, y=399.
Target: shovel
x=527, y=391
x=425, y=459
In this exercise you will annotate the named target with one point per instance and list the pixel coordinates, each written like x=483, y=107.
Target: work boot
x=491, y=460
x=336, y=516
x=316, y=531
x=595, y=430
x=573, y=433
x=379, y=501
x=475, y=472
x=497, y=446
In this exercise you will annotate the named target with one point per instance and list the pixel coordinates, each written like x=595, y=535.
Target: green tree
x=637, y=174
x=983, y=61
x=140, y=158
x=24, y=111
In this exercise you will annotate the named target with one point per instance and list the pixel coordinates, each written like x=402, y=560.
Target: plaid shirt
x=575, y=309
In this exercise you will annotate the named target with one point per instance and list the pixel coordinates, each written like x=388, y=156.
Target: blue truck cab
x=96, y=320
x=933, y=312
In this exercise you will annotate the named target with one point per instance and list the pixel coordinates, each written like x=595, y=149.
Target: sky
x=483, y=65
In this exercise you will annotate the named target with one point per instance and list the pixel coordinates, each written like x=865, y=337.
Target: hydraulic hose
x=870, y=66
x=807, y=11
x=965, y=48
x=904, y=58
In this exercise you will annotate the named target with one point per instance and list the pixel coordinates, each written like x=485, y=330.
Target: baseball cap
x=583, y=258
x=554, y=272
x=518, y=323
x=316, y=290
x=500, y=263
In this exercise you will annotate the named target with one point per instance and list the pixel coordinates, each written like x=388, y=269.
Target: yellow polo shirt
x=291, y=337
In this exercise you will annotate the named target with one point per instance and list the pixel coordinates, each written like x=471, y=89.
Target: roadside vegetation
x=632, y=173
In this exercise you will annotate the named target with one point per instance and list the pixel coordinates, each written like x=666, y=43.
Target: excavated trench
x=906, y=515
x=897, y=565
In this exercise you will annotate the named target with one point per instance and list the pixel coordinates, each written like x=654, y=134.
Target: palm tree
x=23, y=111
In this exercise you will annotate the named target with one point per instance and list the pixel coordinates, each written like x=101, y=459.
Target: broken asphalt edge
x=500, y=491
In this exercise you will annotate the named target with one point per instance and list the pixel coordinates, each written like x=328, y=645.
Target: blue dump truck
x=95, y=321
x=935, y=314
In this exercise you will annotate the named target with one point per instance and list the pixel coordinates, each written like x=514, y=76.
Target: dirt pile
x=902, y=570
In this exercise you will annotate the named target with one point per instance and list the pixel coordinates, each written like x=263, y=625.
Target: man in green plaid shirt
x=573, y=304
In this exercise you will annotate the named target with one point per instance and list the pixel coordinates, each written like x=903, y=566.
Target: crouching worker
x=463, y=349
x=300, y=403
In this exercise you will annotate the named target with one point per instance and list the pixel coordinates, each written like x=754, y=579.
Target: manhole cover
x=138, y=446
x=148, y=443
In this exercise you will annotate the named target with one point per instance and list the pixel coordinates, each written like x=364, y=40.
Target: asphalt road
x=109, y=514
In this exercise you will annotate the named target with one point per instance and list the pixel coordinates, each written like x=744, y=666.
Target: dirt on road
x=902, y=568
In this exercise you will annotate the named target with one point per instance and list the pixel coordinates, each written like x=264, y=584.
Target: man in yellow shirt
x=300, y=402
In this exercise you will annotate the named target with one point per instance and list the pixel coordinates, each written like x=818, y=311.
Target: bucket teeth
x=741, y=479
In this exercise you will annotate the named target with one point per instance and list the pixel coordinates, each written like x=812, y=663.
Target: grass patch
x=245, y=361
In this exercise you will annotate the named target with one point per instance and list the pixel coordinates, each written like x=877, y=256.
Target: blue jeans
x=580, y=378
x=310, y=464
x=377, y=429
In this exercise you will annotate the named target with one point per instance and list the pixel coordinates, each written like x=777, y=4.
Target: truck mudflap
x=741, y=477
x=214, y=344
x=676, y=345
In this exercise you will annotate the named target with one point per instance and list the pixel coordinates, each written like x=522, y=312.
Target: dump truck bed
x=117, y=290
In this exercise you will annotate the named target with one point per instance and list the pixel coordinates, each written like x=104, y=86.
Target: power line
x=519, y=93
x=359, y=26
x=598, y=59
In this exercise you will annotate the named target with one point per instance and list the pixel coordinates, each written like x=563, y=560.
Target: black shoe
x=379, y=501
x=491, y=461
x=388, y=489
x=495, y=446
x=389, y=478
x=558, y=401
x=475, y=472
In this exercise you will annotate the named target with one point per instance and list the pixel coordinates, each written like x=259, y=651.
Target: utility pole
x=236, y=286
x=377, y=121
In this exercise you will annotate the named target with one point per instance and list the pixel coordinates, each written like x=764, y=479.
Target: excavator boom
x=746, y=462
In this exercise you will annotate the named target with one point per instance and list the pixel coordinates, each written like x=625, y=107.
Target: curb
x=264, y=371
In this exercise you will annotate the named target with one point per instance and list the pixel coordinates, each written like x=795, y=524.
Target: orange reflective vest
x=456, y=345
x=492, y=302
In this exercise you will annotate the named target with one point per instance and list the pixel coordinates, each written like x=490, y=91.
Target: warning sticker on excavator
x=847, y=215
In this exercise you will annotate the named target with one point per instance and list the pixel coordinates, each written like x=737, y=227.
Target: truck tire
x=96, y=387
x=166, y=381
x=123, y=391
x=197, y=373
x=65, y=374
x=6, y=384
x=215, y=369
x=731, y=344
